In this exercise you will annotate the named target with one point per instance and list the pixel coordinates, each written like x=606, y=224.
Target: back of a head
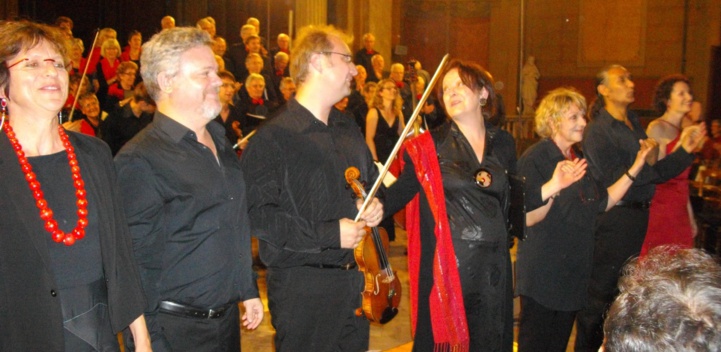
x=670, y=301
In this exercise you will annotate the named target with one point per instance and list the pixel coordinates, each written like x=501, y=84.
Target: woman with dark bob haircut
x=459, y=264
x=670, y=219
x=68, y=278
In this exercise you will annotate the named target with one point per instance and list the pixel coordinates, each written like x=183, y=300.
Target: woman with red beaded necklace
x=68, y=277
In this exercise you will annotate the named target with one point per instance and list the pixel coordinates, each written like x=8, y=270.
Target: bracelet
x=629, y=176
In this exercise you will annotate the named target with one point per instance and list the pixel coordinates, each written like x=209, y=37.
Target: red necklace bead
x=46, y=214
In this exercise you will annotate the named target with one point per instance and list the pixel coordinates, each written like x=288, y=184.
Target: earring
x=3, y=111
x=483, y=101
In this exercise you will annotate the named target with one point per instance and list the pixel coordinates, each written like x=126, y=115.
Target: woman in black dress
x=459, y=263
x=69, y=281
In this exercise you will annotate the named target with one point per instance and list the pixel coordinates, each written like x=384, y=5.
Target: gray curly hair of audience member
x=161, y=54
x=670, y=301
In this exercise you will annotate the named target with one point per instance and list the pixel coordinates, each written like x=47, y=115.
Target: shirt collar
x=176, y=131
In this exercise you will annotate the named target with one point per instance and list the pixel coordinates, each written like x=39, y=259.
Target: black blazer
x=30, y=313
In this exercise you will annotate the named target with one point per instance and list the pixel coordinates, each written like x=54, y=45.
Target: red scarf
x=258, y=101
x=448, y=315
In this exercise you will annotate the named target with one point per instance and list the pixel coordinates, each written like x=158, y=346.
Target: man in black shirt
x=184, y=195
x=300, y=207
x=610, y=143
x=364, y=55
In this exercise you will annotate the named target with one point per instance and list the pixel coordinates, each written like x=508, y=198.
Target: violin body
x=382, y=290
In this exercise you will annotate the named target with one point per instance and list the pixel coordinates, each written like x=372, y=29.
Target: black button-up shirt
x=294, y=167
x=611, y=148
x=188, y=216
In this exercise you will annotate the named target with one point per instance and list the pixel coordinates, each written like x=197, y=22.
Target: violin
x=382, y=289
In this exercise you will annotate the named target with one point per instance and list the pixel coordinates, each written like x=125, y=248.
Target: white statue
x=529, y=85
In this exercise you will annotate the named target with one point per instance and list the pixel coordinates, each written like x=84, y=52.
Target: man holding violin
x=300, y=207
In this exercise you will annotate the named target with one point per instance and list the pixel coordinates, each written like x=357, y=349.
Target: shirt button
x=53, y=293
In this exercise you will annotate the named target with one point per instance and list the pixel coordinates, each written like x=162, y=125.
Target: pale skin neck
x=473, y=128
x=315, y=104
x=563, y=145
x=37, y=136
x=673, y=117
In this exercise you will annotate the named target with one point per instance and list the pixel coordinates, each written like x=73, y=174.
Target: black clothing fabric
x=235, y=60
x=611, y=148
x=30, y=295
x=121, y=126
x=202, y=335
x=233, y=115
x=297, y=193
x=328, y=321
x=363, y=58
x=554, y=261
x=386, y=136
x=477, y=220
x=542, y=329
x=187, y=216
x=86, y=318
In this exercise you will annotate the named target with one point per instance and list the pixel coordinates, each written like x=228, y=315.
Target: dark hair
x=16, y=36
x=133, y=33
x=670, y=301
x=474, y=77
x=226, y=74
x=663, y=90
x=140, y=93
x=599, y=102
x=64, y=19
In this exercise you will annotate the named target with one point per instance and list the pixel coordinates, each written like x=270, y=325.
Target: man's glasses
x=347, y=58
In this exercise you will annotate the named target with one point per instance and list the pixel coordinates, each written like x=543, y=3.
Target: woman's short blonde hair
x=553, y=106
x=109, y=43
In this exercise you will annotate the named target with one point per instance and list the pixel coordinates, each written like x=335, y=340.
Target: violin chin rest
x=388, y=314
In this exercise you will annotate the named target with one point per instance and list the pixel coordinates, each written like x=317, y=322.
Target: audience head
x=287, y=88
x=76, y=49
x=255, y=85
x=246, y=31
x=613, y=86
x=167, y=61
x=252, y=44
x=207, y=26
x=64, y=22
x=227, y=89
x=16, y=38
x=342, y=104
x=369, y=41
x=89, y=105
x=255, y=23
x=127, y=73
x=378, y=62
x=419, y=85
x=471, y=81
x=673, y=93
x=167, y=22
x=254, y=63
x=221, y=62
x=555, y=107
x=135, y=39
x=280, y=60
x=716, y=128
x=78, y=85
x=362, y=75
x=283, y=41
x=397, y=72
x=110, y=49
x=219, y=45
x=105, y=34
x=143, y=99
x=670, y=300
x=387, y=92
x=369, y=92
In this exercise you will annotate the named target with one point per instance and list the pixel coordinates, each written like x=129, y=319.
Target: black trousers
x=542, y=328
x=619, y=236
x=202, y=335
x=313, y=309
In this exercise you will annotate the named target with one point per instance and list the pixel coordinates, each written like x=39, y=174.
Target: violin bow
x=82, y=78
x=406, y=130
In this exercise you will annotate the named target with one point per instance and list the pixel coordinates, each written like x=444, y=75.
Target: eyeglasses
x=34, y=64
x=347, y=58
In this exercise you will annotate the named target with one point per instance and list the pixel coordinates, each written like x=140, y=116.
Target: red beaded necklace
x=45, y=212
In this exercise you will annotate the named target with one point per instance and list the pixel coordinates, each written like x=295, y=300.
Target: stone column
x=310, y=12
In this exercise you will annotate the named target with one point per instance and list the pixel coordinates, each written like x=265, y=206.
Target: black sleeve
x=403, y=190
